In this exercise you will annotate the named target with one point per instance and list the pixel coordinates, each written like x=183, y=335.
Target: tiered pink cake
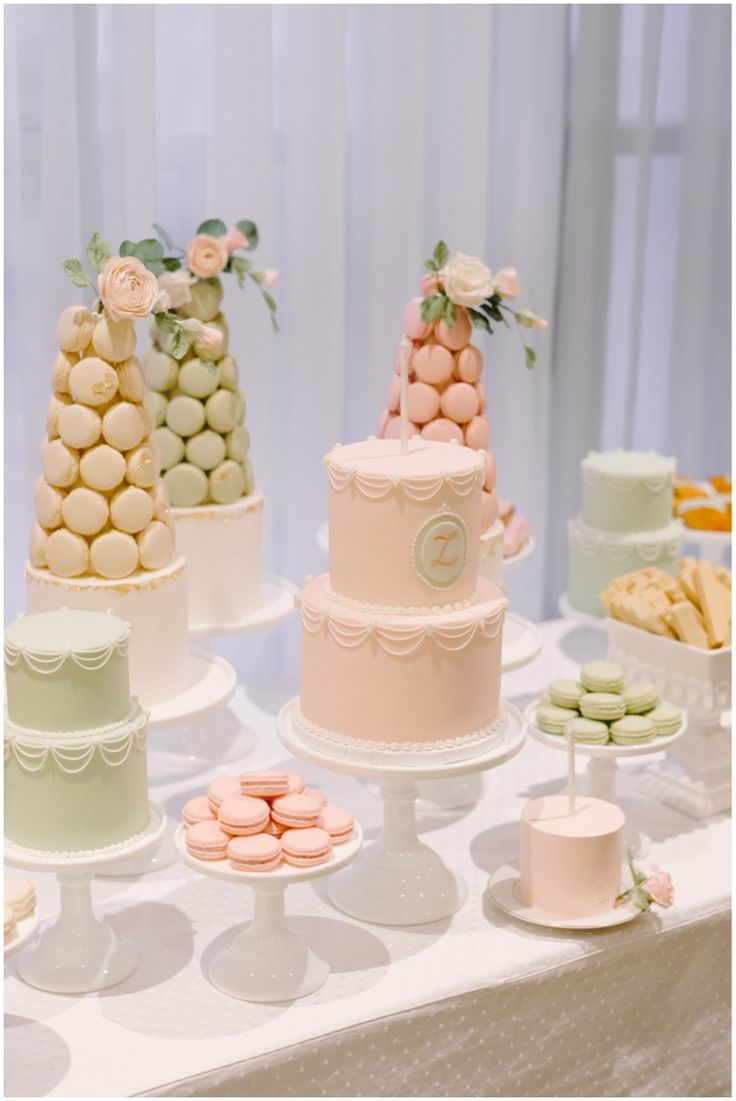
x=570, y=864
x=401, y=641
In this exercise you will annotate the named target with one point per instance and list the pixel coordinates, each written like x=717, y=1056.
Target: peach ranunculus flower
x=176, y=284
x=127, y=288
x=207, y=255
x=661, y=889
x=506, y=282
x=234, y=239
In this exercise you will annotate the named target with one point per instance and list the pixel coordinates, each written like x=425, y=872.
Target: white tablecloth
x=475, y=1005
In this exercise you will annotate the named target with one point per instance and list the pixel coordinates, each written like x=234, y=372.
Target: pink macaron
x=481, y=392
x=382, y=423
x=305, y=848
x=225, y=787
x=423, y=402
x=414, y=327
x=296, y=784
x=394, y=394
x=398, y=357
x=443, y=430
x=457, y=335
x=316, y=795
x=197, y=810
x=296, y=811
x=206, y=841
x=274, y=828
x=260, y=853
x=515, y=535
x=477, y=433
x=469, y=364
x=459, y=402
x=489, y=478
x=338, y=823
x=393, y=429
x=243, y=815
x=488, y=509
x=264, y=784
x=433, y=363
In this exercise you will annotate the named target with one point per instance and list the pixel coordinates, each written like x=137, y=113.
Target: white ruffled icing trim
x=45, y=663
x=648, y=546
x=377, y=486
x=348, y=742
x=625, y=483
x=71, y=751
x=402, y=640
x=400, y=609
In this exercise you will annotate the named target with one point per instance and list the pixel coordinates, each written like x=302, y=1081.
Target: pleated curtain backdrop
x=586, y=145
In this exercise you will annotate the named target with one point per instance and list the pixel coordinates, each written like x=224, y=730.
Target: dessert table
x=474, y=1005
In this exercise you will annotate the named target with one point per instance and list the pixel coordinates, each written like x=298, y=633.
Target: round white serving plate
x=502, y=887
x=521, y=642
x=277, y=605
x=610, y=751
x=529, y=547
x=212, y=682
x=24, y=931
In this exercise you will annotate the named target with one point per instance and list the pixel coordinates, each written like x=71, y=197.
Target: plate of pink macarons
x=265, y=821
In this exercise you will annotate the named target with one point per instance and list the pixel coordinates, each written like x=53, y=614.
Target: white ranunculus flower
x=177, y=285
x=467, y=281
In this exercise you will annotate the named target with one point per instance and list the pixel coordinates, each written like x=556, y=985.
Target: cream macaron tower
x=201, y=438
x=447, y=398
x=103, y=537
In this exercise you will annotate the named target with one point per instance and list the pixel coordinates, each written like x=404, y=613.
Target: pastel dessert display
x=261, y=819
x=693, y=607
x=704, y=506
x=570, y=858
x=446, y=397
x=75, y=741
x=401, y=641
x=601, y=709
x=201, y=439
x=104, y=538
x=625, y=523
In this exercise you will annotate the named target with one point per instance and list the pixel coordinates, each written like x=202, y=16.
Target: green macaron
x=633, y=729
x=602, y=676
x=667, y=719
x=640, y=698
x=606, y=706
x=551, y=719
x=590, y=731
x=565, y=693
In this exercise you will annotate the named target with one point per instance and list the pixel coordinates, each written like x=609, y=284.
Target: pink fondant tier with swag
x=446, y=396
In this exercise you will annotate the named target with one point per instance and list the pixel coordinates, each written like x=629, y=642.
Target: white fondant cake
x=401, y=642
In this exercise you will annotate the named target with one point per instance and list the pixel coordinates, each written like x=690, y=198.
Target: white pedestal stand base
x=695, y=778
x=212, y=681
x=79, y=953
x=585, y=618
x=269, y=962
x=398, y=880
x=603, y=768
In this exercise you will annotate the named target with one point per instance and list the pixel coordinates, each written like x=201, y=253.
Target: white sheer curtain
x=587, y=145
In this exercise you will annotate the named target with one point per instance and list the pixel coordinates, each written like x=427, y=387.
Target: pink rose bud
x=211, y=336
x=506, y=282
x=234, y=239
x=660, y=889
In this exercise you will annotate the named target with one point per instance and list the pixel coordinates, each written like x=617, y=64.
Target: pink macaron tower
x=446, y=398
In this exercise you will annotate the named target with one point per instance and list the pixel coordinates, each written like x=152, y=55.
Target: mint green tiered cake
x=75, y=742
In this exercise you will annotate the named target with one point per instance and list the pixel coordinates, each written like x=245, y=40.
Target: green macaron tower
x=75, y=741
x=201, y=438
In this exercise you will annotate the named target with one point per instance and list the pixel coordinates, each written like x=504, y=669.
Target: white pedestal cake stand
x=80, y=953
x=277, y=605
x=398, y=880
x=269, y=962
x=713, y=545
x=528, y=549
x=603, y=767
x=585, y=619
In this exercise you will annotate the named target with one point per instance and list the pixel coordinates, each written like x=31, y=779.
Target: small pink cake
x=305, y=848
x=243, y=815
x=259, y=853
x=570, y=864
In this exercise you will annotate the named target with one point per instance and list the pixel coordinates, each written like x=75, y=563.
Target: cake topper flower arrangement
x=647, y=888
x=464, y=282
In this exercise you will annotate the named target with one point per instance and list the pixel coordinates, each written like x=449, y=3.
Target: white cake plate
x=277, y=605
x=528, y=549
x=212, y=682
x=80, y=953
x=502, y=887
x=713, y=545
x=585, y=618
x=521, y=645
x=603, y=767
x=269, y=962
x=25, y=930
x=398, y=880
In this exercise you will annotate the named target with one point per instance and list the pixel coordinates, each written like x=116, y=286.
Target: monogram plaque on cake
x=441, y=550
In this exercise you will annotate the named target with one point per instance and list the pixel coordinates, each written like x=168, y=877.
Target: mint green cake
x=625, y=524
x=75, y=742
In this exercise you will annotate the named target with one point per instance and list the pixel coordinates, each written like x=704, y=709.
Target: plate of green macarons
x=604, y=715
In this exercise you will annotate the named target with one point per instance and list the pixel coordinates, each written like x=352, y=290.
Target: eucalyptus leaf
x=191, y=325
x=431, y=266
x=441, y=254
x=150, y=249
x=448, y=314
x=433, y=307
x=249, y=231
x=480, y=321
x=166, y=322
x=270, y=301
x=164, y=236
x=74, y=271
x=98, y=251
x=170, y=263
x=531, y=356
x=240, y=266
x=179, y=343
x=128, y=248
x=214, y=227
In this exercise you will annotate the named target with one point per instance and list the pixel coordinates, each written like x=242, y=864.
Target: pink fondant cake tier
x=405, y=530
x=401, y=684
x=570, y=865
